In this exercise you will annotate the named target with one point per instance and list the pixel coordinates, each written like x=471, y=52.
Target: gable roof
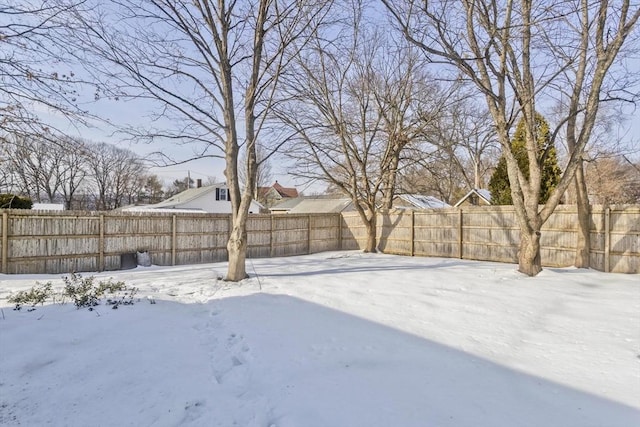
x=176, y=202
x=284, y=192
x=421, y=201
x=187, y=196
x=483, y=194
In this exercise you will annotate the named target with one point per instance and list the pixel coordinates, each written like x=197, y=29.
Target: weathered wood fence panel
x=622, y=239
x=324, y=233
x=290, y=235
x=354, y=233
x=490, y=233
x=59, y=242
x=437, y=233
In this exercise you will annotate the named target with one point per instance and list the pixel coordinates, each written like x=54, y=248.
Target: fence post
x=460, y=252
x=413, y=232
x=174, y=238
x=101, y=244
x=607, y=239
x=308, y=234
x=5, y=242
x=339, y=231
x=271, y=245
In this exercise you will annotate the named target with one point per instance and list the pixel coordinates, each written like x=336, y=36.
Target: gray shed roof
x=320, y=206
x=287, y=204
x=421, y=201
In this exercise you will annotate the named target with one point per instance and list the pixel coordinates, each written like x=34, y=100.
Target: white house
x=210, y=199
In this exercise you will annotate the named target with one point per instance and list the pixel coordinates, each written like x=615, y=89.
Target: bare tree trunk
x=529, y=260
x=389, y=183
x=583, y=243
x=237, y=249
x=371, y=227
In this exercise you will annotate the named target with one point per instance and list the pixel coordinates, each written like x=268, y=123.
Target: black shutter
x=217, y=194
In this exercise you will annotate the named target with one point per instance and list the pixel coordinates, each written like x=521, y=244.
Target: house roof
x=152, y=208
x=320, y=206
x=287, y=204
x=284, y=192
x=179, y=199
x=186, y=196
x=484, y=194
x=421, y=201
x=47, y=207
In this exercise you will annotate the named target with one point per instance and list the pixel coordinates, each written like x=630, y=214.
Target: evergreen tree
x=499, y=183
x=11, y=201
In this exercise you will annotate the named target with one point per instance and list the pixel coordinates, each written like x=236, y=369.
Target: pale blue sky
x=209, y=168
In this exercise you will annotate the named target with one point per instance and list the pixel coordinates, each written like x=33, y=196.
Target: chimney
x=198, y=183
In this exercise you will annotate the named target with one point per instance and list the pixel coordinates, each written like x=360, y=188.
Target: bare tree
x=36, y=74
x=115, y=175
x=613, y=179
x=520, y=55
x=467, y=134
x=333, y=113
x=410, y=102
x=212, y=68
x=72, y=169
x=35, y=163
x=354, y=104
x=6, y=176
x=458, y=152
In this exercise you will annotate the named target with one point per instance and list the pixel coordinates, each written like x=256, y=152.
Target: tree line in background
x=374, y=98
x=81, y=174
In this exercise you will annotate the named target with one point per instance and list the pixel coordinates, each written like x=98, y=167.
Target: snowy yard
x=330, y=340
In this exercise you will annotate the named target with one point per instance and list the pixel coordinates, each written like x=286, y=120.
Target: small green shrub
x=82, y=290
x=36, y=295
x=85, y=293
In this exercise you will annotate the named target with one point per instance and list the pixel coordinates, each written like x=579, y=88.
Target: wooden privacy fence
x=490, y=233
x=60, y=242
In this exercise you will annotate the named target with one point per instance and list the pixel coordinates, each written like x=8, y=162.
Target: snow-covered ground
x=328, y=340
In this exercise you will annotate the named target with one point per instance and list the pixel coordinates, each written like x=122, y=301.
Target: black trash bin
x=128, y=261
